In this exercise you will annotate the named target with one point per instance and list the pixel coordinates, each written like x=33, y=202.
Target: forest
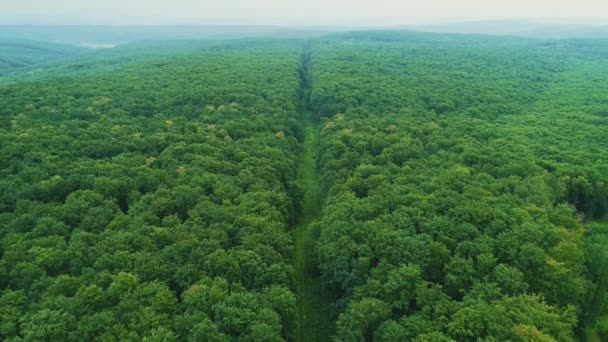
x=353, y=186
x=460, y=177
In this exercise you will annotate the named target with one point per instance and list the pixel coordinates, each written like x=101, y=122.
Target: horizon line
x=353, y=22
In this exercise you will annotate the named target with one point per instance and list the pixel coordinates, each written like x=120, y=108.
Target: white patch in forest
x=99, y=45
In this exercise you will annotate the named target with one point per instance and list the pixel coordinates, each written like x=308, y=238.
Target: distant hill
x=28, y=60
x=107, y=36
x=520, y=28
x=97, y=36
x=15, y=54
x=569, y=31
x=38, y=51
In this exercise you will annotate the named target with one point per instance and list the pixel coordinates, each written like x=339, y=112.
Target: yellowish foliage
x=530, y=333
x=102, y=101
x=150, y=161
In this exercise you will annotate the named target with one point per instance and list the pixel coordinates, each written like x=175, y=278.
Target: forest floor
x=314, y=323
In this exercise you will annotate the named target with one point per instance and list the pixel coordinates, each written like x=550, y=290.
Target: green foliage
x=453, y=166
x=152, y=202
x=146, y=193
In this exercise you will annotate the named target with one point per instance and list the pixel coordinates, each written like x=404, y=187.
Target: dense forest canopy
x=459, y=173
x=450, y=188
x=153, y=201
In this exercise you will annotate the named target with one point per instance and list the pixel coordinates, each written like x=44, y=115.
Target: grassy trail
x=314, y=323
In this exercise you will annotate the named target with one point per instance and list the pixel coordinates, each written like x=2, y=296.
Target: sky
x=296, y=12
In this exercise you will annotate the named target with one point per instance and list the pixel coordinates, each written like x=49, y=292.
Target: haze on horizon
x=295, y=12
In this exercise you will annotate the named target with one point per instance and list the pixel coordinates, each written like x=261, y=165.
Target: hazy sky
x=293, y=12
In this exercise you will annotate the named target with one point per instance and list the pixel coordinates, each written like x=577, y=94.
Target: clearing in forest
x=314, y=323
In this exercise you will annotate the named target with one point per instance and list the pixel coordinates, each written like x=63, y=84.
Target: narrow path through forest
x=314, y=323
